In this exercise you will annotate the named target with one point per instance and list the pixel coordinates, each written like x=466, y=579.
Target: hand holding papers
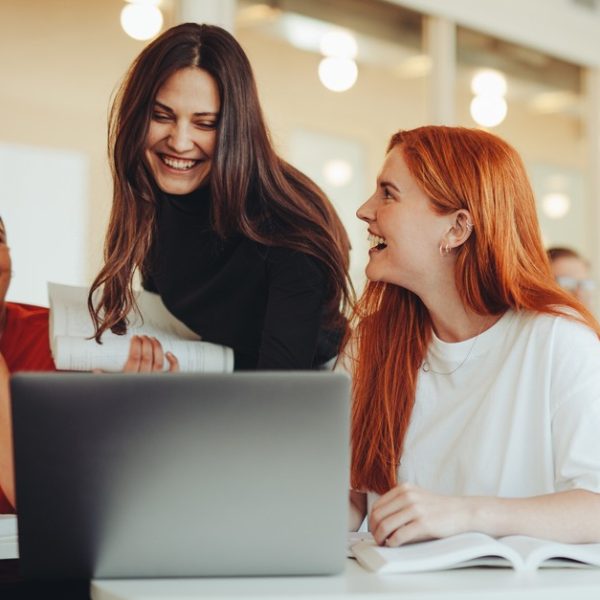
x=74, y=349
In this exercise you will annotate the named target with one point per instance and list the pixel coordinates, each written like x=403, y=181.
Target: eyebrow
x=197, y=114
x=384, y=183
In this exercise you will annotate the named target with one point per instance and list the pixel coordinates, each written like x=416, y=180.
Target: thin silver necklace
x=427, y=367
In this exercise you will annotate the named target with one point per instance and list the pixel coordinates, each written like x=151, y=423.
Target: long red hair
x=502, y=265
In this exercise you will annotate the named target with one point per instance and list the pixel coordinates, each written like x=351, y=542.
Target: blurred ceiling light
x=337, y=172
x=338, y=74
x=488, y=83
x=141, y=19
x=553, y=102
x=488, y=107
x=414, y=66
x=556, y=205
x=338, y=43
x=488, y=111
x=302, y=33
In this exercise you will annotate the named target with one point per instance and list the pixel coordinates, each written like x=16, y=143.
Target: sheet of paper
x=72, y=327
x=9, y=547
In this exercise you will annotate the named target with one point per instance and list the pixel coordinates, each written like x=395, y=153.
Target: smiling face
x=404, y=229
x=182, y=134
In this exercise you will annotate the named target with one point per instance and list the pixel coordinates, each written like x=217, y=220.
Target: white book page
x=466, y=549
x=158, y=318
x=78, y=354
x=9, y=547
x=547, y=553
x=70, y=315
x=71, y=328
x=68, y=311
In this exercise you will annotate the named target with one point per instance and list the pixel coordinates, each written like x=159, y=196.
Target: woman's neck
x=453, y=321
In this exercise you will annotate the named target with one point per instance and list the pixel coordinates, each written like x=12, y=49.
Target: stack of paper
x=73, y=349
x=8, y=537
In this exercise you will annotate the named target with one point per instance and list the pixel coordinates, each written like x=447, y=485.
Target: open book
x=475, y=549
x=8, y=537
x=71, y=328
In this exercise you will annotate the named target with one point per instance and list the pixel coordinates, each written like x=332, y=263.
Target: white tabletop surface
x=357, y=583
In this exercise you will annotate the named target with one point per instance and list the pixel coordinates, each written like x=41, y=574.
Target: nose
x=366, y=211
x=179, y=139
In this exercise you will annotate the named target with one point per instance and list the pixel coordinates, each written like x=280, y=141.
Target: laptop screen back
x=177, y=475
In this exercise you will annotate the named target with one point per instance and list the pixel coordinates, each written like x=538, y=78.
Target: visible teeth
x=178, y=163
x=376, y=240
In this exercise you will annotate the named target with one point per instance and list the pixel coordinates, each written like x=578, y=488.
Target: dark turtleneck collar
x=196, y=202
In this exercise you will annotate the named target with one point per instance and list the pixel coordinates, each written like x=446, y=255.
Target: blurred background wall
x=413, y=62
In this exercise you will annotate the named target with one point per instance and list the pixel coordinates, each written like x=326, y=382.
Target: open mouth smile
x=179, y=164
x=377, y=243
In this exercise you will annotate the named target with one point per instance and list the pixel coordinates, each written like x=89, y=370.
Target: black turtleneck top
x=265, y=302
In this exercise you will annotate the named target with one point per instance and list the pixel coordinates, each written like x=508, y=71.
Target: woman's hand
x=408, y=513
x=146, y=355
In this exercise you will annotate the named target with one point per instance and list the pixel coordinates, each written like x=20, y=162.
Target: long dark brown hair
x=502, y=265
x=292, y=212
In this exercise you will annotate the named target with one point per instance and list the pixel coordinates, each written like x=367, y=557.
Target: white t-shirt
x=520, y=417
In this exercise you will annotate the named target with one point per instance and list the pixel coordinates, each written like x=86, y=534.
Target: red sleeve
x=6, y=507
x=25, y=342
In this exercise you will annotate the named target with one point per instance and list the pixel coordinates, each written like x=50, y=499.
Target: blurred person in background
x=572, y=272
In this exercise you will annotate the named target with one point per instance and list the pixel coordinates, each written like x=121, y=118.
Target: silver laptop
x=181, y=475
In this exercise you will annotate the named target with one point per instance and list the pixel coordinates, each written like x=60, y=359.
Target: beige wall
x=66, y=57
x=61, y=60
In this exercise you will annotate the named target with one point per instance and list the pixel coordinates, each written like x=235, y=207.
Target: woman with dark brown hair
x=476, y=377
x=242, y=247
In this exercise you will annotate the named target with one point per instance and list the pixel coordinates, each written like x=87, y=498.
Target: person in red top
x=24, y=340
x=25, y=346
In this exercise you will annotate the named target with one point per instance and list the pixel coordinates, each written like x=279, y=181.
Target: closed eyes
x=162, y=117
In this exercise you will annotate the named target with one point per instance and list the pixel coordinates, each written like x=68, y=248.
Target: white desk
x=356, y=583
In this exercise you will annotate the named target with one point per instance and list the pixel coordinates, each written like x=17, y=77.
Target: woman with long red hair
x=476, y=377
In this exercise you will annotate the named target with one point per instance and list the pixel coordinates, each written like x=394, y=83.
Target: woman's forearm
x=6, y=447
x=572, y=516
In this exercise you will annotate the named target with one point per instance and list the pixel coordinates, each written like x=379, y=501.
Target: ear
x=461, y=228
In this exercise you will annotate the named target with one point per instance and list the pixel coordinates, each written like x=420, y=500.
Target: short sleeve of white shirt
x=575, y=406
